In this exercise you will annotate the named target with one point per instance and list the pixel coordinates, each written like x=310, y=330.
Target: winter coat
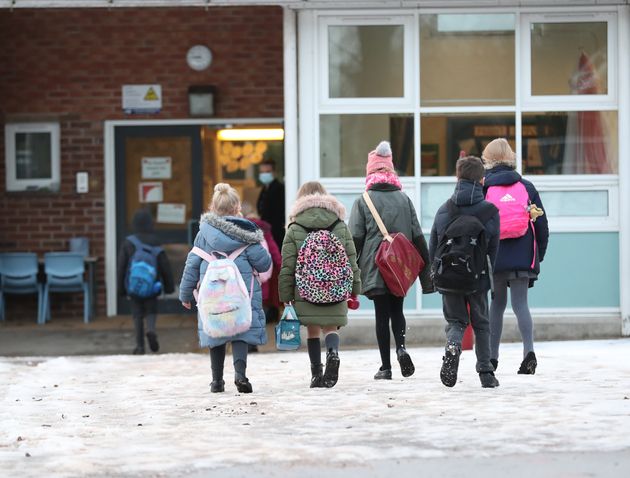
x=398, y=215
x=468, y=196
x=270, y=207
x=316, y=211
x=226, y=234
x=143, y=227
x=516, y=254
x=270, y=287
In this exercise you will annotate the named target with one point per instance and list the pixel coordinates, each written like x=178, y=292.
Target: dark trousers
x=455, y=308
x=388, y=308
x=141, y=309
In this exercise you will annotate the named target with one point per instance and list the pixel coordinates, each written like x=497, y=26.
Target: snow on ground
x=154, y=415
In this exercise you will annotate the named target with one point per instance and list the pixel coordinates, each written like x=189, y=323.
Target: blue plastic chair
x=18, y=275
x=64, y=273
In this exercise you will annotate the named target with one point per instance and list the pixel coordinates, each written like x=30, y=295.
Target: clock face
x=199, y=57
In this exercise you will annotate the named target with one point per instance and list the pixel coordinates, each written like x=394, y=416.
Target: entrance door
x=160, y=168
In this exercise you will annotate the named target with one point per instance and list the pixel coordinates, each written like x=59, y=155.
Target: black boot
x=243, y=385
x=406, y=365
x=138, y=351
x=331, y=375
x=383, y=374
x=153, y=341
x=488, y=380
x=317, y=378
x=217, y=386
x=450, y=364
x=528, y=365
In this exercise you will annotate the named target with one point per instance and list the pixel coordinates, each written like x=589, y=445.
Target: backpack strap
x=377, y=217
x=203, y=254
x=238, y=252
x=138, y=244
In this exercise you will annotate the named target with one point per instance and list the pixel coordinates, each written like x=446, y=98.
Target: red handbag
x=397, y=259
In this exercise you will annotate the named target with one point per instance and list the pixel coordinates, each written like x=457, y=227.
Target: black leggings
x=389, y=307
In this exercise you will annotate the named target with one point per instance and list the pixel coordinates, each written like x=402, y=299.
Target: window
x=467, y=59
x=32, y=156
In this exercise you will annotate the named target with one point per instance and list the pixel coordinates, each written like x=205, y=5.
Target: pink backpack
x=265, y=276
x=513, y=204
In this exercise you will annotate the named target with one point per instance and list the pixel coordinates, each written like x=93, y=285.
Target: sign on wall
x=156, y=168
x=138, y=99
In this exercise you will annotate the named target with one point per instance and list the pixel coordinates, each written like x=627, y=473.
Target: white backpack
x=223, y=301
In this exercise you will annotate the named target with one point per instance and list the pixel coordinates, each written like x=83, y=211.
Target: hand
x=187, y=305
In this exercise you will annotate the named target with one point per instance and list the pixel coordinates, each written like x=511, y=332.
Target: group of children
x=474, y=246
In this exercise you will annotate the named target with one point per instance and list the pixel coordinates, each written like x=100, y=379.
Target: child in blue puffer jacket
x=223, y=230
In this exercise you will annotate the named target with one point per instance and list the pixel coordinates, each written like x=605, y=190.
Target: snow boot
x=450, y=364
x=138, y=351
x=528, y=365
x=243, y=385
x=331, y=375
x=488, y=380
x=153, y=341
x=383, y=374
x=317, y=372
x=406, y=365
x=217, y=386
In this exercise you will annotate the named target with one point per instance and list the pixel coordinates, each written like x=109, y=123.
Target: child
x=222, y=230
x=464, y=239
x=316, y=210
x=520, y=253
x=398, y=215
x=145, y=306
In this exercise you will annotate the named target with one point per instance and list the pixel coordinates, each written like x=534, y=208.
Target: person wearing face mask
x=271, y=200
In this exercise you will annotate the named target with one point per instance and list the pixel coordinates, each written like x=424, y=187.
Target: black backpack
x=461, y=260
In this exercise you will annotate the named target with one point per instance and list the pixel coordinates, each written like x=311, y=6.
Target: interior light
x=266, y=134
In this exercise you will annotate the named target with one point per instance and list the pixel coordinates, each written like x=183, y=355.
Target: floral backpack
x=223, y=301
x=323, y=274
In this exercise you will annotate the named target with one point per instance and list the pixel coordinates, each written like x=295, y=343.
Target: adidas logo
x=507, y=198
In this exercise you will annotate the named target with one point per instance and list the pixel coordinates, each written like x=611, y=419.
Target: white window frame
x=13, y=183
x=568, y=102
x=376, y=19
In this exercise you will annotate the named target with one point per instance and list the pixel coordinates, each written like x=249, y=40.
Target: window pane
x=365, y=61
x=433, y=196
x=444, y=136
x=569, y=58
x=577, y=142
x=575, y=203
x=346, y=140
x=33, y=156
x=467, y=59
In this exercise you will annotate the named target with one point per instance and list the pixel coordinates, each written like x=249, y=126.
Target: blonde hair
x=225, y=200
x=311, y=187
x=498, y=151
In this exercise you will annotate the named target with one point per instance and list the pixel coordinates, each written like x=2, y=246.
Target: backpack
x=323, y=274
x=461, y=256
x=513, y=204
x=141, y=278
x=265, y=276
x=223, y=301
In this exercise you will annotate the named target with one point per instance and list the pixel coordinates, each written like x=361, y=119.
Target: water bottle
x=157, y=288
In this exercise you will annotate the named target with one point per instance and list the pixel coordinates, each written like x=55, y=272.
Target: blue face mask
x=265, y=178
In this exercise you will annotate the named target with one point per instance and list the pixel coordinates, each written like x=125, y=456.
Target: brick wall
x=69, y=65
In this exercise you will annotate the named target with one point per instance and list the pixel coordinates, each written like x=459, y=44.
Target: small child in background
x=144, y=282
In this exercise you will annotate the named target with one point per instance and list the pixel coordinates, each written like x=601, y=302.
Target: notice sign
x=171, y=213
x=156, y=168
x=150, y=192
x=137, y=99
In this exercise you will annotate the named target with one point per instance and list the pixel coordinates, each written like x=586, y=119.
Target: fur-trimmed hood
x=323, y=201
x=238, y=228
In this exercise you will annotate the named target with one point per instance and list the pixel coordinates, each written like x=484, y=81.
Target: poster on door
x=156, y=168
x=150, y=192
x=171, y=213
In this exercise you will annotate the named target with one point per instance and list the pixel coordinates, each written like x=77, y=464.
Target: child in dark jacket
x=142, y=308
x=463, y=306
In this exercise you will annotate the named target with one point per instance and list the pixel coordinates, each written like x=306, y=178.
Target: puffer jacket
x=226, y=234
x=517, y=254
x=468, y=196
x=316, y=211
x=398, y=215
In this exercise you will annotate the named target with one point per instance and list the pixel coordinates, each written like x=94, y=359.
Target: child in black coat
x=468, y=222
x=146, y=307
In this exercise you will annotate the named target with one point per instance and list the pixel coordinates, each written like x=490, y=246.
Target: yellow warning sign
x=151, y=95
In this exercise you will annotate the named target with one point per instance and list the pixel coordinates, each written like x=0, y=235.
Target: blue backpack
x=141, y=277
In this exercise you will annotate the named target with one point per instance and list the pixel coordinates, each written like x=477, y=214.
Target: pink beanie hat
x=381, y=157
